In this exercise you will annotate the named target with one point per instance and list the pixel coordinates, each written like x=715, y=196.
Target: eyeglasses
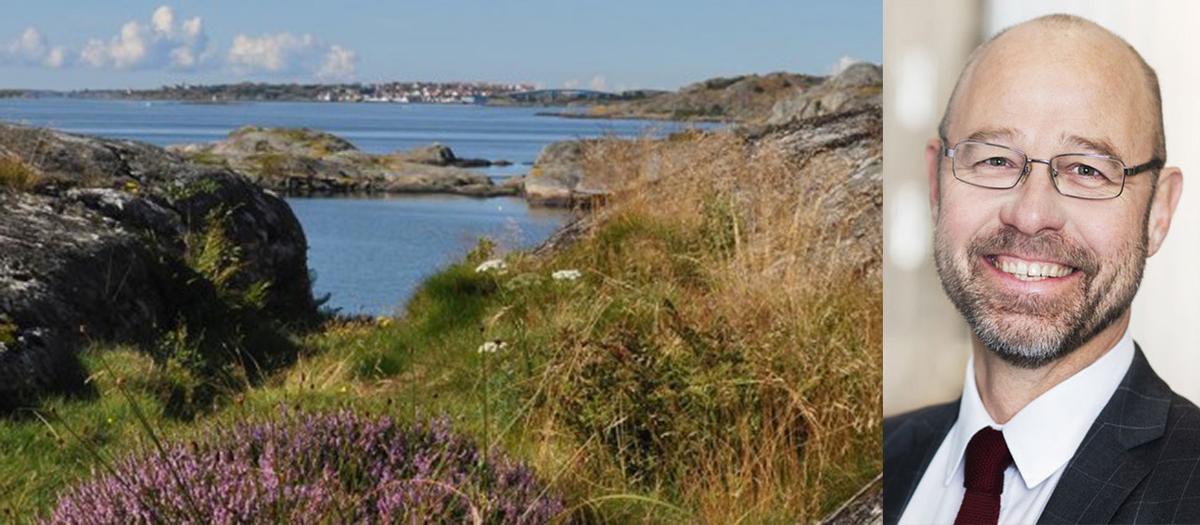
x=1079, y=175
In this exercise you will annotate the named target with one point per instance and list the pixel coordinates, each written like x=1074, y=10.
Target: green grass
x=207, y=157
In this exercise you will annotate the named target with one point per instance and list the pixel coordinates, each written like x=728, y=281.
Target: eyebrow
x=997, y=135
x=1011, y=136
x=1094, y=145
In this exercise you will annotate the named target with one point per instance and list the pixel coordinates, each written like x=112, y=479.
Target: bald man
x=1048, y=189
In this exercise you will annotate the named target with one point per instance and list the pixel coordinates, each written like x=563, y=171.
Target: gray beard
x=1065, y=327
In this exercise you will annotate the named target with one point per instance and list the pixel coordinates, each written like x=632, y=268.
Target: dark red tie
x=987, y=458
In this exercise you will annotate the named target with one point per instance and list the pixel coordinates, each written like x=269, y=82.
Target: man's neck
x=1005, y=389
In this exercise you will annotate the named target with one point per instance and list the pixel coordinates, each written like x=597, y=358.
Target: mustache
x=1051, y=245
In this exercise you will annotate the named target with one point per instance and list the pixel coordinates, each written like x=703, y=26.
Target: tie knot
x=987, y=459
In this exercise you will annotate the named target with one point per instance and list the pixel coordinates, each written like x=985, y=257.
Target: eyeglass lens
x=991, y=166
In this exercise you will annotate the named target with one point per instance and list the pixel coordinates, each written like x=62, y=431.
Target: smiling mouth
x=1027, y=270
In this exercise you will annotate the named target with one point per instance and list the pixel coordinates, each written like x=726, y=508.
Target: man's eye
x=1085, y=171
x=995, y=162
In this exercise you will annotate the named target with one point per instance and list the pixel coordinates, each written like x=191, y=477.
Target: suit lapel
x=1107, y=466
x=907, y=453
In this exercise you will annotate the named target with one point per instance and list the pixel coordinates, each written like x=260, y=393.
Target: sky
x=609, y=45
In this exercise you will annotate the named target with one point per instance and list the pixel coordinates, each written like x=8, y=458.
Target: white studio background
x=925, y=45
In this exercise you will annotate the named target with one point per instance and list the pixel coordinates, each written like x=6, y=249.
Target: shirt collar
x=1043, y=436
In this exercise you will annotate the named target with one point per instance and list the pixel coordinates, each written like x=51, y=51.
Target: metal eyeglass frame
x=1152, y=164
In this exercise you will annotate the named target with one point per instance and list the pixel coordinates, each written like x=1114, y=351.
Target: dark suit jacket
x=1138, y=463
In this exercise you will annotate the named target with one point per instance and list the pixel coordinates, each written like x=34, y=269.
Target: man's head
x=1050, y=86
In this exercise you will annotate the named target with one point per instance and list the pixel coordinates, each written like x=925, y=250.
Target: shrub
x=17, y=175
x=315, y=468
x=221, y=341
x=8, y=331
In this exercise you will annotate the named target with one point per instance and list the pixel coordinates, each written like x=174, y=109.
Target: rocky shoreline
x=306, y=162
x=301, y=161
x=585, y=115
x=750, y=99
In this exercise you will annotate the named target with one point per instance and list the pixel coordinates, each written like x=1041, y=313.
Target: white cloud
x=842, y=63
x=31, y=48
x=130, y=48
x=144, y=46
x=163, y=20
x=339, y=63
x=167, y=41
x=598, y=83
x=276, y=53
x=193, y=29
x=55, y=58
x=183, y=58
x=287, y=53
x=94, y=54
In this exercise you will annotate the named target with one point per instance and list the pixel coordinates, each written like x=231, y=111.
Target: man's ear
x=1162, y=207
x=933, y=157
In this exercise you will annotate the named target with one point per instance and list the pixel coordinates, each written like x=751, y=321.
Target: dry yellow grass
x=759, y=271
x=16, y=174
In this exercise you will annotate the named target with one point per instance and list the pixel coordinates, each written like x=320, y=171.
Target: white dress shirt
x=1042, y=437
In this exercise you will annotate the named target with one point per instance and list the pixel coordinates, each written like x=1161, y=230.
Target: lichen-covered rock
x=556, y=174
x=441, y=155
x=434, y=155
x=746, y=98
x=858, y=86
x=847, y=149
x=95, y=250
x=299, y=161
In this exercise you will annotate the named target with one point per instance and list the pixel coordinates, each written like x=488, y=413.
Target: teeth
x=1032, y=271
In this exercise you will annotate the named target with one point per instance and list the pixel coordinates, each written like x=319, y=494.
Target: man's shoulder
x=1166, y=488
x=1183, y=426
x=933, y=418
x=1144, y=394
x=1153, y=437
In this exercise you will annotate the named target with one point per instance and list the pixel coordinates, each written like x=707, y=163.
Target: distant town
x=386, y=92
x=425, y=92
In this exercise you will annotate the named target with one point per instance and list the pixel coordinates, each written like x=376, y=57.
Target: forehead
x=1053, y=83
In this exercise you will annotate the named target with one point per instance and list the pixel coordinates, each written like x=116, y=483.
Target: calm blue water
x=372, y=253
x=369, y=254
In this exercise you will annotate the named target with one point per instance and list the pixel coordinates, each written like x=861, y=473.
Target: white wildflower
x=490, y=265
x=492, y=347
x=566, y=275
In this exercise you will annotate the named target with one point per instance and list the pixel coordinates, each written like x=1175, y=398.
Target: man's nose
x=1034, y=205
